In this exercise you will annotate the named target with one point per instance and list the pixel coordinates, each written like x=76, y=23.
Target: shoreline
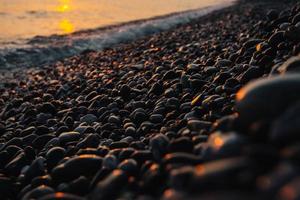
x=205, y=110
x=41, y=50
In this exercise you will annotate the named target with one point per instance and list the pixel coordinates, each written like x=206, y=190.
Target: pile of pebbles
x=209, y=110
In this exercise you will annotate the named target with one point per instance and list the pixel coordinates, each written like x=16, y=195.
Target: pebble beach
x=206, y=110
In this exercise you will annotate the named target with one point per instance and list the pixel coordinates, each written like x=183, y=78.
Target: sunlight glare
x=64, y=6
x=66, y=26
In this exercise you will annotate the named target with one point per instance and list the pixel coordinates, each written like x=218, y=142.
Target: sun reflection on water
x=65, y=25
x=27, y=19
x=64, y=6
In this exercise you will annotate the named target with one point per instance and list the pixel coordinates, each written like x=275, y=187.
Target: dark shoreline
x=178, y=115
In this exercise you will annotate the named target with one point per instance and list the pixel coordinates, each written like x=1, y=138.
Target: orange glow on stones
x=200, y=169
x=59, y=195
x=241, y=94
x=258, y=47
x=195, y=100
x=117, y=172
x=218, y=142
x=288, y=193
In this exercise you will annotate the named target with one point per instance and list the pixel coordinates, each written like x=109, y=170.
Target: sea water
x=33, y=32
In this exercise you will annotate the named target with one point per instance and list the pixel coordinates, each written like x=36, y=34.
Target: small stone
x=106, y=189
x=54, y=155
x=114, y=119
x=276, y=38
x=170, y=75
x=222, y=145
x=198, y=125
x=110, y=162
x=89, y=119
x=156, y=118
x=68, y=137
x=48, y=108
x=37, y=168
x=296, y=19
x=180, y=178
x=38, y=193
x=129, y=166
x=83, y=165
x=196, y=101
x=15, y=166
x=159, y=145
x=292, y=65
x=182, y=144
x=215, y=172
x=286, y=128
x=157, y=89
x=251, y=73
x=125, y=91
x=130, y=131
x=272, y=14
x=182, y=158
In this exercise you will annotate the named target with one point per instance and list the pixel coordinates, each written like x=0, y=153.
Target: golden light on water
x=30, y=18
x=66, y=26
x=64, y=6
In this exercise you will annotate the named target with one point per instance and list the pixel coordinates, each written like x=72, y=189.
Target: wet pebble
x=89, y=118
x=72, y=168
x=253, y=102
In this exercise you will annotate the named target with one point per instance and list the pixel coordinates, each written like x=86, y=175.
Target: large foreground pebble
x=267, y=98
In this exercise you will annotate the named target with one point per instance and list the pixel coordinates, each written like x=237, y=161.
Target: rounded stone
x=276, y=38
x=198, y=125
x=48, y=108
x=286, y=128
x=292, y=65
x=106, y=189
x=54, y=155
x=156, y=118
x=83, y=165
x=89, y=119
x=157, y=88
x=182, y=144
x=267, y=98
x=158, y=145
x=38, y=192
x=68, y=137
